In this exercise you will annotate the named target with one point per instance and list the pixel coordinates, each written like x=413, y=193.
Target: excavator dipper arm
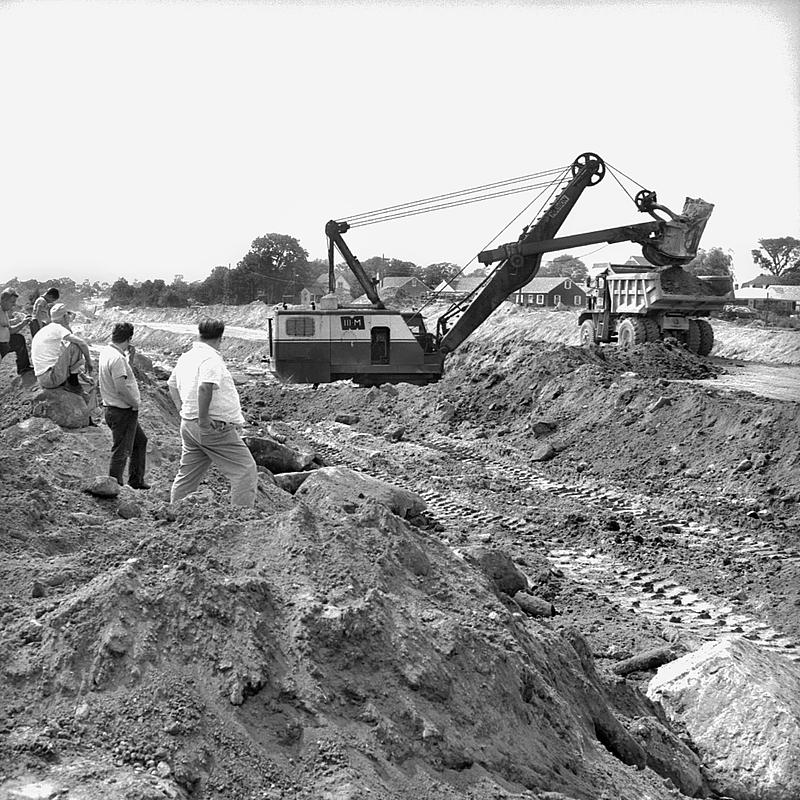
x=516, y=270
x=334, y=231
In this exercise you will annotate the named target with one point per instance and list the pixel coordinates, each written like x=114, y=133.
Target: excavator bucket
x=677, y=244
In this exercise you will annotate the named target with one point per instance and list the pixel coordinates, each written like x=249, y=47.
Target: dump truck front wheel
x=631, y=331
x=587, y=333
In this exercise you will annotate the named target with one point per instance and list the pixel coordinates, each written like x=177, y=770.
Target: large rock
x=741, y=707
x=65, y=408
x=277, y=457
x=344, y=487
x=499, y=568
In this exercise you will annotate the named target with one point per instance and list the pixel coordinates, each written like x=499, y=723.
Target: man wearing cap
x=57, y=353
x=10, y=325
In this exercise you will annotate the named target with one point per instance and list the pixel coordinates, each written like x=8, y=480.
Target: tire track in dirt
x=646, y=592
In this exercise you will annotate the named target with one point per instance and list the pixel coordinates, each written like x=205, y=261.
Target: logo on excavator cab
x=352, y=323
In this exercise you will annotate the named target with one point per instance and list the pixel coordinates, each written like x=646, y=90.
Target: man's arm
x=16, y=325
x=83, y=347
x=204, y=394
x=172, y=385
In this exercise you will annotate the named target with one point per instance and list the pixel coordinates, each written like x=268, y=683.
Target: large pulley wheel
x=586, y=160
x=645, y=200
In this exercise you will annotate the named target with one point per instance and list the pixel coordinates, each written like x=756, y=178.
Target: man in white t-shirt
x=120, y=393
x=211, y=418
x=57, y=353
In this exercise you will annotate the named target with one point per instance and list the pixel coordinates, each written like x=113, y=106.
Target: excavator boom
x=516, y=270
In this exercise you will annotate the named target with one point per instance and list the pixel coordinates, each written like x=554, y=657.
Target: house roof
x=762, y=280
x=545, y=285
x=398, y=281
x=639, y=261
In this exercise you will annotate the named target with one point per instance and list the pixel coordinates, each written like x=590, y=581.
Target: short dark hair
x=52, y=292
x=210, y=328
x=122, y=332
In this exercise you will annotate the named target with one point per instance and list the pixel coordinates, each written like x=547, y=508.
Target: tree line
x=277, y=268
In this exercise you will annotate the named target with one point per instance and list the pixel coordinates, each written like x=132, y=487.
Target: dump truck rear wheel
x=631, y=331
x=652, y=331
x=587, y=333
x=706, y=337
x=693, y=337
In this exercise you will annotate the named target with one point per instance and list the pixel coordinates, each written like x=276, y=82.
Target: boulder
x=277, y=457
x=544, y=452
x=343, y=487
x=741, y=707
x=499, y=568
x=290, y=481
x=67, y=409
x=103, y=486
x=668, y=755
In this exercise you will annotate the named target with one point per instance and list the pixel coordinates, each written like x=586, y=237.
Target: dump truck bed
x=670, y=289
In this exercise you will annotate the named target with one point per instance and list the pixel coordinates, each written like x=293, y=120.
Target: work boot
x=142, y=486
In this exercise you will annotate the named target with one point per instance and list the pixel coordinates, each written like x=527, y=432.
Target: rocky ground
x=445, y=607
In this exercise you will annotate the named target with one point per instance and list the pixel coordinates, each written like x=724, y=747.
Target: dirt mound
x=286, y=651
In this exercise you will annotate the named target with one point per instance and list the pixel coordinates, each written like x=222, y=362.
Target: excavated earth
x=352, y=640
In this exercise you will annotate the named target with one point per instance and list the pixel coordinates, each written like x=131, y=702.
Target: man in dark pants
x=120, y=393
x=11, y=340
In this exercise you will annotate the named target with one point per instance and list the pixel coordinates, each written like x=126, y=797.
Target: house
x=775, y=297
x=458, y=288
x=312, y=294
x=406, y=285
x=551, y=292
x=761, y=281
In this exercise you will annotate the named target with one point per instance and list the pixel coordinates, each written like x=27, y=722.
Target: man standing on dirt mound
x=211, y=418
x=120, y=393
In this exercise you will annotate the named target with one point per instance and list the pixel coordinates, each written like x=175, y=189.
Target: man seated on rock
x=10, y=325
x=57, y=353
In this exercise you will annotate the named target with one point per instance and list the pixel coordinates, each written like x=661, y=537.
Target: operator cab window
x=300, y=326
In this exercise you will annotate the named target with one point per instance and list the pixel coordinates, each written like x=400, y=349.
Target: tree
x=434, y=274
x=564, y=266
x=121, y=293
x=778, y=256
x=387, y=267
x=276, y=267
x=710, y=262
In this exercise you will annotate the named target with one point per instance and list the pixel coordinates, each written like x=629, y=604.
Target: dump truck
x=632, y=305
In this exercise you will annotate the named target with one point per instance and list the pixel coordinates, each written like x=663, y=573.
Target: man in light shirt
x=211, y=418
x=57, y=353
x=11, y=340
x=120, y=393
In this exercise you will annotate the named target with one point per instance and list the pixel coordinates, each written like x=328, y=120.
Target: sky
x=154, y=139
